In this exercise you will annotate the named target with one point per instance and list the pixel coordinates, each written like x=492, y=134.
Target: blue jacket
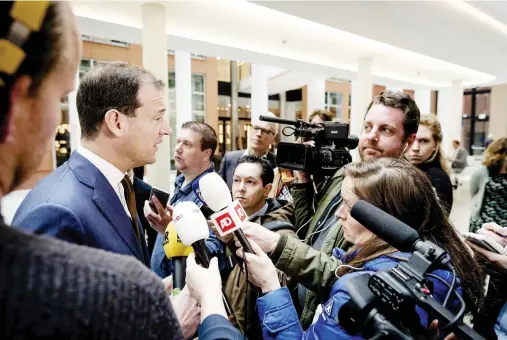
x=501, y=323
x=160, y=264
x=77, y=204
x=280, y=320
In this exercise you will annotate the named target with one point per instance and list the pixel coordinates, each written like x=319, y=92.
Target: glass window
x=198, y=98
x=198, y=102
x=274, y=104
x=197, y=83
x=171, y=80
x=334, y=104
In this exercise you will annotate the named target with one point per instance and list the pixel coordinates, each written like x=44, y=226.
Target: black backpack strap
x=278, y=225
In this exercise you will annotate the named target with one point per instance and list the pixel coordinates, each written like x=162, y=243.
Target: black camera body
x=329, y=153
x=383, y=304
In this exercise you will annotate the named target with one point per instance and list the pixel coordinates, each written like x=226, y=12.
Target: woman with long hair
x=427, y=155
x=399, y=189
x=488, y=187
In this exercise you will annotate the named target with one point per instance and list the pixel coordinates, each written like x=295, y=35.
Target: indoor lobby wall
x=133, y=54
x=498, y=111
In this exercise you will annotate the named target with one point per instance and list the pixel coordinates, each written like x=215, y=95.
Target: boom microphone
x=176, y=251
x=393, y=231
x=228, y=215
x=390, y=229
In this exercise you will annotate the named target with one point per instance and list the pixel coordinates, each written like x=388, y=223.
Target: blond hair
x=431, y=121
x=495, y=155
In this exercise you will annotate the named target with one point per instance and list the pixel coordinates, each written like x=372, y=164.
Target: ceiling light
x=479, y=15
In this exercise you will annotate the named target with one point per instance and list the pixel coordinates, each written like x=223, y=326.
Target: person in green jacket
x=390, y=127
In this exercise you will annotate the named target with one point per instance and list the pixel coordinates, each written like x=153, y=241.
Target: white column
x=259, y=91
x=315, y=95
x=361, y=95
x=155, y=59
x=183, y=77
x=75, y=126
x=422, y=98
x=450, y=111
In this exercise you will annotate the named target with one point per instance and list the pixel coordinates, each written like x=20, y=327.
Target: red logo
x=241, y=213
x=225, y=222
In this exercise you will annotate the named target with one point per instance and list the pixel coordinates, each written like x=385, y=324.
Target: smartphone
x=161, y=195
x=485, y=242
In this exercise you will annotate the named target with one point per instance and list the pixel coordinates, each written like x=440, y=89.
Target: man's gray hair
x=275, y=126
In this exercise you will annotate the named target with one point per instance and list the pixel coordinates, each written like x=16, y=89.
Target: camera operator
x=389, y=129
x=492, y=320
x=400, y=190
x=52, y=289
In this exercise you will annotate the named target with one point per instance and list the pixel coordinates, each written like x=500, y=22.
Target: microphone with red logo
x=192, y=229
x=228, y=215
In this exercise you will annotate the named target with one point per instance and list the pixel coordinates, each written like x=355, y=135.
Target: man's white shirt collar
x=113, y=175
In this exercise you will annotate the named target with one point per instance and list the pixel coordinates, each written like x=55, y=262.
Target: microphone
x=206, y=211
x=192, y=229
x=396, y=233
x=176, y=251
x=390, y=229
x=228, y=215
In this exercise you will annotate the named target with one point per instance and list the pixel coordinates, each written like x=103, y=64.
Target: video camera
x=383, y=304
x=331, y=150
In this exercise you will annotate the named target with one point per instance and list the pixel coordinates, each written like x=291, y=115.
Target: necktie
x=130, y=197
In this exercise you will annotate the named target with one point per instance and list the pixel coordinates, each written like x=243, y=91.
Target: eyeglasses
x=264, y=132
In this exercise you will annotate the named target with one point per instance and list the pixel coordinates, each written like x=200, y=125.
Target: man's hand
x=494, y=231
x=266, y=239
x=225, y=239
x=303, y=177
x=435, y=330
x=188, y=312
x=159, y=221
x=205, y=285
x=261, y=271
x=168, y=284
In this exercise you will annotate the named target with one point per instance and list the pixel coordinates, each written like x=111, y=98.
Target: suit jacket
x=460, y=162
x=143, y=190
x=230, y=161
x=76, y=203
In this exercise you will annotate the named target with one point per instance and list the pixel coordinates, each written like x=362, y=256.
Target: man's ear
x=207, y=152
x=116, y=122
x=410, y=141
x=267, y=189
x=18, y=105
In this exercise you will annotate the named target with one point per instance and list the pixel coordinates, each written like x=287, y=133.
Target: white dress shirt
x=113, y=175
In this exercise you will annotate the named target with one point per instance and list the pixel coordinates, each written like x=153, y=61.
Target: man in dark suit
x=90, y=200
x=142, y=191
x=262, y=135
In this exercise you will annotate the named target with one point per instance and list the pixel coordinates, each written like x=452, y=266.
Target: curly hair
x=495, y=155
